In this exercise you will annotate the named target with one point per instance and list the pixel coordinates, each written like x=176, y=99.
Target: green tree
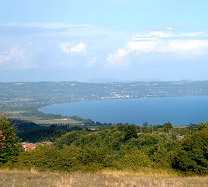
x=130, y=132
x=200, y=126
x=9, y=143
x=68, y=139
x=135, y=160
x=167, y=126
x=191, y=156
x=145, y=124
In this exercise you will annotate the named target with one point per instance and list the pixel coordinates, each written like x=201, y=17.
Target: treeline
x=46, y=133
x=35, y=114
x=29, y=131
x=123, y=147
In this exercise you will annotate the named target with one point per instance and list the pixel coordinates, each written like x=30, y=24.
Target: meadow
x=104, y=178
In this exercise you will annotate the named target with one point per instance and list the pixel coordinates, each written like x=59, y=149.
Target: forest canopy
x=121, y=147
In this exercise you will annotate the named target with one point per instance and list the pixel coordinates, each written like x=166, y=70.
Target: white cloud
x=188, y=45
x=80, y=47
x=168, y=46
x=184, y=45
x=142, y=46
x=91, y=61
x=14, y=58
x=118, y=58
x=70, y=49
x=154, y=35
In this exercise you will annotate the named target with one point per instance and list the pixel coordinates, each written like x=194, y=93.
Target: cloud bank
x=182, y=45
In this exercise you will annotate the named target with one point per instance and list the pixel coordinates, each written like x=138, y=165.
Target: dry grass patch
x=144, y=172
x=106, y=178
x=57, y=121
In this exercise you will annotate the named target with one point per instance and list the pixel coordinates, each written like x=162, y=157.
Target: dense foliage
x=117, y=146
x=29, y=131
x=123, y=147
x=50, y=133
x=192, y=155
x=9, y=143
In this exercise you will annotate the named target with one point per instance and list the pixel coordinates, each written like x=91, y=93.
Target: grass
x=105, y=178
x=57, y=121
x=36, y=119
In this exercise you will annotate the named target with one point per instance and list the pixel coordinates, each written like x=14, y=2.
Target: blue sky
x=61, y=40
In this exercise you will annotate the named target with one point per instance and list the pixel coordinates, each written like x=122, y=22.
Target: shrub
x=192, y=156
x=48, y=158
x=135, y=160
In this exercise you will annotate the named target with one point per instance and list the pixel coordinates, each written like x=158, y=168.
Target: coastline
x=120, y=99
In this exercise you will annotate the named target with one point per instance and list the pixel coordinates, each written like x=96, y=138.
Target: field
x=105, y=178
x=57, y=121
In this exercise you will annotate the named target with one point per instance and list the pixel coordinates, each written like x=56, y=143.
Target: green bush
x=192, y=156
x=67, y=159
x=67, y=139
x=161, y=158
x=135, y=160
x=48, y=158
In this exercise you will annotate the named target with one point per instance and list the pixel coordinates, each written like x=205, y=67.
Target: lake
x=177, y=110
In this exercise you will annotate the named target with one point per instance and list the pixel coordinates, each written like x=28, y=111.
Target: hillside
x=32, y=95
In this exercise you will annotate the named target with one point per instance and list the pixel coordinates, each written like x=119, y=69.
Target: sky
x=88, y=40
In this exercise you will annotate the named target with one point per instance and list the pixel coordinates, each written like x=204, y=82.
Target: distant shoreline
x=75, y=103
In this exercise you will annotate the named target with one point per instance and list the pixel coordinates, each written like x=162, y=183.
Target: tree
x=88, y=122
x=135, y=160
x=145, y=124
x=9, y=143
x=191, y=156
x=67, y=139
x=200, y=126
x=167, y=126
x=130, y=132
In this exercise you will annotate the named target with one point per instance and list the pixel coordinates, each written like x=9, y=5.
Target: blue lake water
x=177, y=110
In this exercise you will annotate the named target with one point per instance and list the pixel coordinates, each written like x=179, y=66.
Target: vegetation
x=101, y=179
x=10, y=145
x=116, y=147
x=50, y=133
x=192, y=155
x=32, y=132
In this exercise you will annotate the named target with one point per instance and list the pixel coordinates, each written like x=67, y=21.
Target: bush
x=192, y=156
x=48, y=158
x=67, y=159
x=135, y=160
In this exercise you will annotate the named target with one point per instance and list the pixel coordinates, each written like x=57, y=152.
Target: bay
x=177, y=110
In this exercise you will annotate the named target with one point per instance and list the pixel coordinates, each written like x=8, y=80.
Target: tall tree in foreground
x=9, y=143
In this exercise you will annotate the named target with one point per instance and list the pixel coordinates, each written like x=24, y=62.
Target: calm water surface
x=177, y=110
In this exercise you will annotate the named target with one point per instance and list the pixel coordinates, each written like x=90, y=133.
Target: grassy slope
x=106, y=178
